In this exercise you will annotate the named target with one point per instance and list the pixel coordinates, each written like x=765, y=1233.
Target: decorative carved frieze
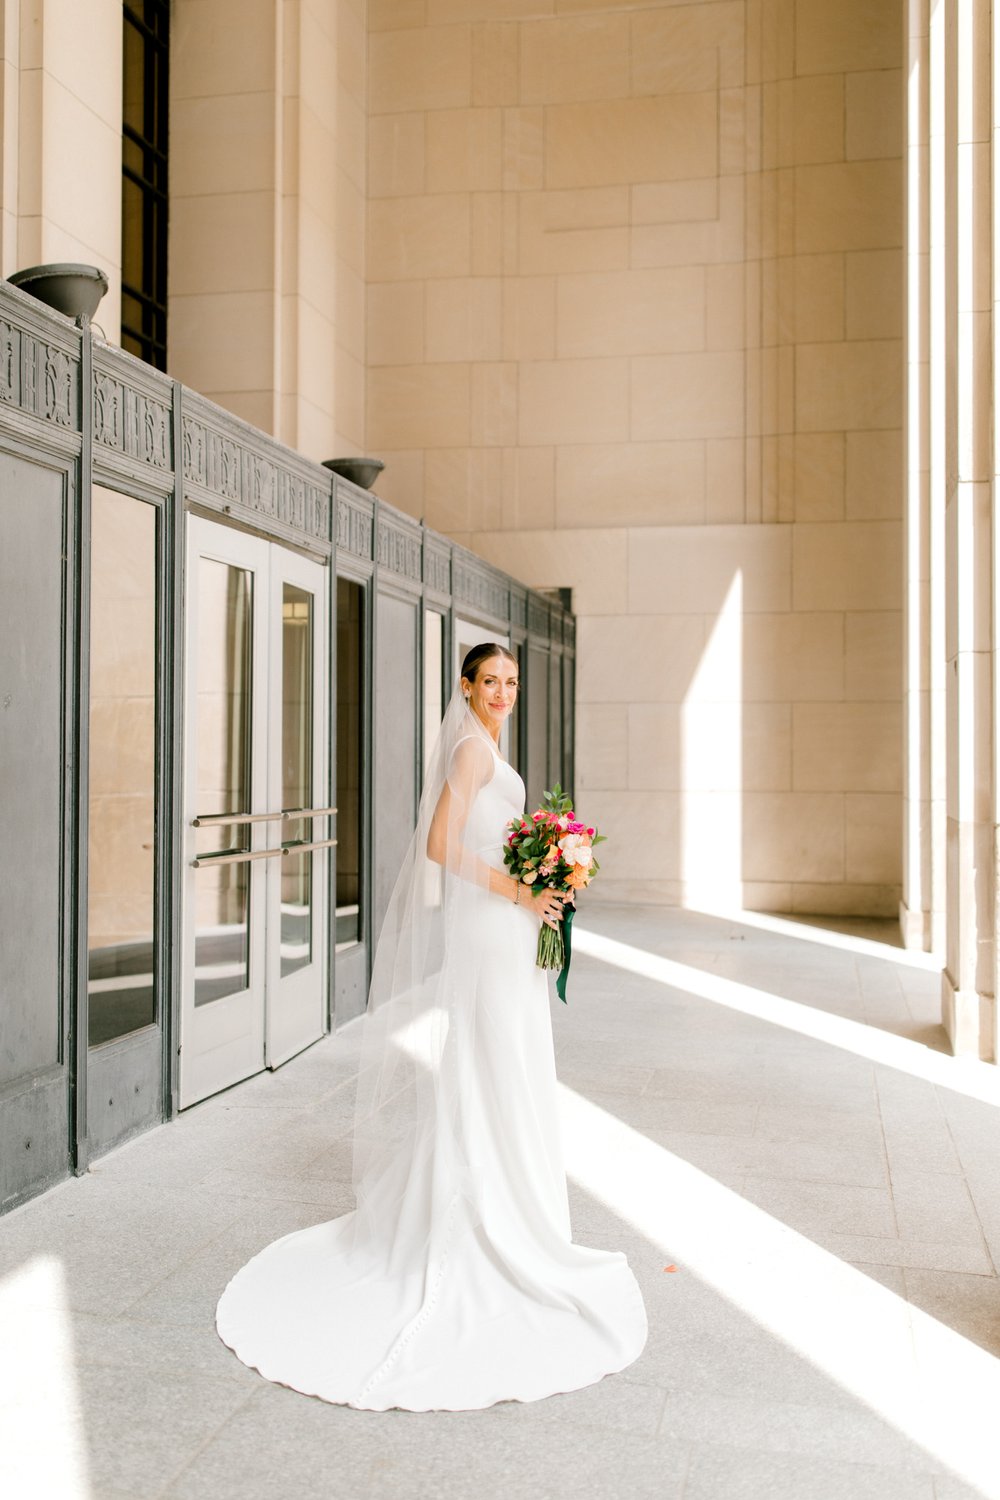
x=538, y=616
x=399, y=549
x=131, y=421
x=518, y=607
x=249, y=479
x=38, y=377
x=355, y=528
x=480, y=588
x=437, y=568
x=10, y=363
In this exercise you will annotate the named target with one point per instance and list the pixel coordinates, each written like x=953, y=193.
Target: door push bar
x=305, y=848
x=242, y=855
x=218, y=820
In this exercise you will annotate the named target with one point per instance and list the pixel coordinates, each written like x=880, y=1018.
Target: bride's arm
x=471, y=768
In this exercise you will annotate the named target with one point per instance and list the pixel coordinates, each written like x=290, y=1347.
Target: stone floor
x=759, y=1111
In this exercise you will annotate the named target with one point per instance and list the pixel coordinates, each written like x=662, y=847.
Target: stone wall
x=634, y=326
x=60, y=138
x=267, y=214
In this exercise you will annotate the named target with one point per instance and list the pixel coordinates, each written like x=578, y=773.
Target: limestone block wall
x=634, y=326
x=268, y=164
x=60, y=138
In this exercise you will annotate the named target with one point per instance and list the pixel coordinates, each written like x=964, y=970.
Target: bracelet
x=517, y=893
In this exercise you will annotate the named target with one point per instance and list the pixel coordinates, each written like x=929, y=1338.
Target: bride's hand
x=549, y=906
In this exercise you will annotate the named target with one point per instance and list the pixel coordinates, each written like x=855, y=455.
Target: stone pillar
x=60, y=134
x=920, y=858
x=965, y=108
x=267, y=215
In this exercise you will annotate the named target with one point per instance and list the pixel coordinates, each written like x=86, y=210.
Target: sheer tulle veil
x=413, y=1157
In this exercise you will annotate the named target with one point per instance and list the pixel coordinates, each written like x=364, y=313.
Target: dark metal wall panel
x=568, y=665
x=396, y=754
x=34, y=1136
x=32, y=778
x=536, y=779
x=557, y=769
x=124, y=1087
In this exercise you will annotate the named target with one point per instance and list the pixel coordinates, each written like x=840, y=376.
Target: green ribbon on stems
x=555, y=946
x=567, y=932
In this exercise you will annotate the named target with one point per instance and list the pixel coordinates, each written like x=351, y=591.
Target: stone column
x=61, y=138
x=267, y=216
x=966, y=113
x=919, y=862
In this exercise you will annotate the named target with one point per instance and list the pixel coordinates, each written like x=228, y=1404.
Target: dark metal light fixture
x=361, y=471
x=73, y=290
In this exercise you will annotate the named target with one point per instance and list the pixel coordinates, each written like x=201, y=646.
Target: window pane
x=514, y=722
x=296, y=774
x=350, y=745
x=222, y=938
x=121, y=852
x=433, y=675
x=145, y=66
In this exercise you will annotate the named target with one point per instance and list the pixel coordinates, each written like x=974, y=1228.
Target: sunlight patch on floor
x=41, y=1420
x=963, y=1075
x=938, y=1389
x=827, y=937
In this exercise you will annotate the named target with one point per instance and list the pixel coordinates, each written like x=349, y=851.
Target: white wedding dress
x=448, y=1299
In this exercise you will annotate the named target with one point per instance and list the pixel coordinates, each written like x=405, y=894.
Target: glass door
x=254, y=929
x=298, y=777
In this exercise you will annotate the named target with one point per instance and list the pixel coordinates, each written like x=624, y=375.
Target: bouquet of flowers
x=553, y=850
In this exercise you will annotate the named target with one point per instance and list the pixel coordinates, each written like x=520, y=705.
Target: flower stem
x=551, y=952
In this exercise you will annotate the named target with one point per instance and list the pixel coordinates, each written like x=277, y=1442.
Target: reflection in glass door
x=254, y=928
x=298, y=780
x=223, y=702
x=296, y=775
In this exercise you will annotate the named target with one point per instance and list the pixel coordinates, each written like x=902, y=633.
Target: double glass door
x=257, y=818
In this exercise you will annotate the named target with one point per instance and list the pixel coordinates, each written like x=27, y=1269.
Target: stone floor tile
x=808, y=1206
x=719, y=1473
x=123, y=1343
x=139, y=1432
x=190, y=1293
x=968, y=1304
x=731, y=1358
x=948, y=1488
x=809, y=1161
x=898, y=1252
x=334, y=1164
x=248, y=1183
x=115, y=1241
x=805, y=1122
x=606, y=1076
x=892, y=1277
x=848, y=1432
x=935, y=1207
x=285, y=1444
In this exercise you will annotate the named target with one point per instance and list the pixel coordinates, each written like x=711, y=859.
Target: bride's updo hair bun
x=481, y=653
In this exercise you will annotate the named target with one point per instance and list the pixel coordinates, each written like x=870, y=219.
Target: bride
x=454, y=1283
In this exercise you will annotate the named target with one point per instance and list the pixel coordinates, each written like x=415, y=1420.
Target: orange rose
x=578, y=878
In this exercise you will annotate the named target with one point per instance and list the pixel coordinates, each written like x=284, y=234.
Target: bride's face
x=494, y=692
